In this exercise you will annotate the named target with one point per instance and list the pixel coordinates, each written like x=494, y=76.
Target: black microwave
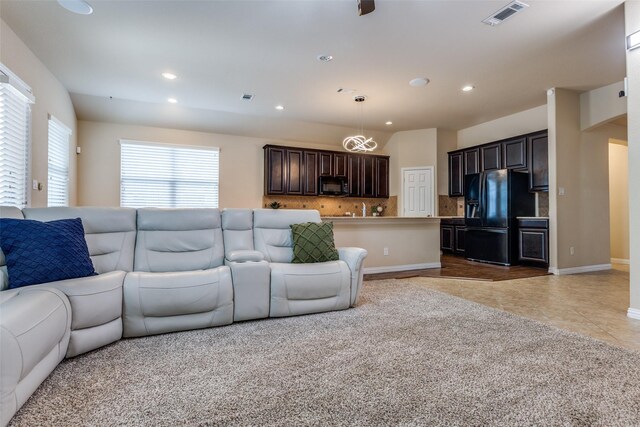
x=333, y=186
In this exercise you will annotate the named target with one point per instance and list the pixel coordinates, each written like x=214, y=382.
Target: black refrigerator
x=493, y=200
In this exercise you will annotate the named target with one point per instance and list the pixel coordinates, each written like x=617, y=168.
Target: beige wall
x=619, y=199
x=632, y=24
x=410, y=241
x=241, y=161
x=515, y=124
x=601, y=105
x=447, y=141
x=579, y=165
x=51, y=98
x=413, y=148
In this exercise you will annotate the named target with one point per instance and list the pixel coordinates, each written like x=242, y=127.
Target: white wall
x=632, y=24
x=619, y=199
x=601, y=105
x=413, y=148
x=447, y=141
x=515, y=124
x=241, y=161
x=51, y=98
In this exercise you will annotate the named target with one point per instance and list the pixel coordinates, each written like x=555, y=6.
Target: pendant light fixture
x=359, y=143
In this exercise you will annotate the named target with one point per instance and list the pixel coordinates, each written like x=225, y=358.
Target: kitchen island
x=394, y=243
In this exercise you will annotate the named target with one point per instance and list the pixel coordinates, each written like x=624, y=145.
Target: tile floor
x=593, y=304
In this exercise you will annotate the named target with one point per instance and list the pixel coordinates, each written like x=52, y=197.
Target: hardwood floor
x=592, y=304
x=459, y=268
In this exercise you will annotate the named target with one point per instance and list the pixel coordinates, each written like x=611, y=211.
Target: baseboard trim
x=619, y=261
x=405, y=267
x=633, y=313
x=582, y=269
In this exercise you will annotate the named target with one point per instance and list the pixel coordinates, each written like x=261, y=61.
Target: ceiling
x=111, y=61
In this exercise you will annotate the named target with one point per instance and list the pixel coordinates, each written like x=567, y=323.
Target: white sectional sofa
x=162, y=270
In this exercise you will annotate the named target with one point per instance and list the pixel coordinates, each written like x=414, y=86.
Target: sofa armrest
x=251, y=289
x=245, y=256
x=354, y=258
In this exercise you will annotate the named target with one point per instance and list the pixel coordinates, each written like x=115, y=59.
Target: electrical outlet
x=572, y=250
x=386, y=251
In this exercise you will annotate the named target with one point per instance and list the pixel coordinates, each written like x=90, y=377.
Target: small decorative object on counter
x=274, y=205
x=377, y=210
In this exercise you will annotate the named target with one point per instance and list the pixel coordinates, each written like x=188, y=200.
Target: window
x=168, y=176
x=58, y=177
x=15, y=123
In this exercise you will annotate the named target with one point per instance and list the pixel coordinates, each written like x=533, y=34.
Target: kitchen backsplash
x=450, y=206
x=543, y=203
x=334, y=206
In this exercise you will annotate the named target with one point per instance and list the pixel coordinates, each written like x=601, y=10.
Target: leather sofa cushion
x=171, y=240
x=110, y=233
x=272, y=231
x=237, y=229
x=40, y=252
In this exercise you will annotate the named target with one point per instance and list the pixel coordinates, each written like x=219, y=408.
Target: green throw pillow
x=313, y=242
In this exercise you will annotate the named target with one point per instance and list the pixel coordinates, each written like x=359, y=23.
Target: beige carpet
x=405, y=356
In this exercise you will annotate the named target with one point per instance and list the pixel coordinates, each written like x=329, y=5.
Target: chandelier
x=359, y=143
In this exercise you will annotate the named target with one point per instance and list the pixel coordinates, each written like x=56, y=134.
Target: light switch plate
x=560, y=191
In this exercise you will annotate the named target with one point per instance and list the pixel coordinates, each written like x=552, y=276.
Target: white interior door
x=418, y=191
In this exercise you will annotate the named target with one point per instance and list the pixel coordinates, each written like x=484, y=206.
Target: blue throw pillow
x=41, y=252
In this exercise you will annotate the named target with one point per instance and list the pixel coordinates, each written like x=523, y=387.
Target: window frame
x=66, y=130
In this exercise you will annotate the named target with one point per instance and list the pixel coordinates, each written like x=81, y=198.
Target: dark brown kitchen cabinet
x=538, y=162
x=447, y=239
x=368, y=176
x=353, y=175
x=452, y=233
x=533, y=241
x=275, y=170
x=340, y=165
x=490, y=157
x=514, y=154
x=456, y=178
x=295, y=172
x=471, y=161
x=382, y=177
x=459, y=234
x=310, y=173
x=325, y=162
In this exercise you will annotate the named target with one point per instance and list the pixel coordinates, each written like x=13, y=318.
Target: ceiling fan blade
x=366, y=6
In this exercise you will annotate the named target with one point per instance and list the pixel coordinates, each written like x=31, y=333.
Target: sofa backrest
x=178, y=240
x=110, y=233
x=237, y=229
x=7, y=212
x=272, y=231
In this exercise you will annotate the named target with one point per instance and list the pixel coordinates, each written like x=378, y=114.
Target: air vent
x=506, y=12
x=247, y=96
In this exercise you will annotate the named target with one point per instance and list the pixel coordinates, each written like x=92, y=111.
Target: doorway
x=619, y=201
x=418, y=191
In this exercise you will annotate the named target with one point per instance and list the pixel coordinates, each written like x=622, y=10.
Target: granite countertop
x=532, y=217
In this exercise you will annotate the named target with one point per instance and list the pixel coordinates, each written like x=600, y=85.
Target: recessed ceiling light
x=419, y=81
x=169, y=76
x=468, y=88
x=389, y=123
x=279, y=107
x=80, y=7
x=325, y=58
x=172, y=101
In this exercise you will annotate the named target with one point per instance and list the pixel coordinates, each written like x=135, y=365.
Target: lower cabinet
x=452, y=236
x=533, y=241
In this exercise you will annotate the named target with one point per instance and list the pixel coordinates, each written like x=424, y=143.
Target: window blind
x=58, y=175
x=15, y=124
x=168, y=176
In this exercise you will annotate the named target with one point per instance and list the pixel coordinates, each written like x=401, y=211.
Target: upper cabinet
x=538, y=162
x=456, y=176
x=514, y=153
x=525, y=152
x=296, y=171
x=490, y=157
